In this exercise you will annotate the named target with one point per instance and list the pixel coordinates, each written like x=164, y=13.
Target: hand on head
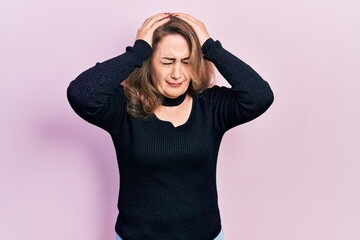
x=146, y=31
x=198, y=26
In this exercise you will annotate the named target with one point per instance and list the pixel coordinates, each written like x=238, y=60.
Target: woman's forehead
x=173, y=45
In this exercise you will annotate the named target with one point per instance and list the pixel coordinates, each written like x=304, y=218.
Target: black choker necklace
x=172, y=102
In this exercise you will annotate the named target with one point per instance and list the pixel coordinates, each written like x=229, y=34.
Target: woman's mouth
x=174, y=84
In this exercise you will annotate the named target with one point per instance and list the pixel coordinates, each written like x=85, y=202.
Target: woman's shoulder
x=214, y=91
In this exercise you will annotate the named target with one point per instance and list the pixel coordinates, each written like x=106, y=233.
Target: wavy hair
x=142, y=96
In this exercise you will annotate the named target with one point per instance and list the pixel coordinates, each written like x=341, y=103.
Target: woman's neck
x=173, y=102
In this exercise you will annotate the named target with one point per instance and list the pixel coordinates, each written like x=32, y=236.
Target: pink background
x=291, y=174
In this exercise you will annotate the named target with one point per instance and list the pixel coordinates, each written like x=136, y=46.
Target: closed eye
x=169, y=63
x=172, y=60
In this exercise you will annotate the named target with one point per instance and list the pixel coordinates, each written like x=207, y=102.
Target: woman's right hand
x=146, y=31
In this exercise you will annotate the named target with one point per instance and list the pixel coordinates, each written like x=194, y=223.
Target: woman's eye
x=185, y=62
x=167, y=63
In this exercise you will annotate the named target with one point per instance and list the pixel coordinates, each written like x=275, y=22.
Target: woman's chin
x=173, y=95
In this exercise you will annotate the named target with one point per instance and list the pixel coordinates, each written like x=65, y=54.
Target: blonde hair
x=142, y=96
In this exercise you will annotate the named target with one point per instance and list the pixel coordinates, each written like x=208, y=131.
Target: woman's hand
x=146, y=31
x=197, y=25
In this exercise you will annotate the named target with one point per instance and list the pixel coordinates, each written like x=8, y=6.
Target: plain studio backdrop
x=291, y=174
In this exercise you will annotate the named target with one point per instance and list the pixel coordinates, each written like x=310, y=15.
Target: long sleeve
x=249, y=97
x=96, y=94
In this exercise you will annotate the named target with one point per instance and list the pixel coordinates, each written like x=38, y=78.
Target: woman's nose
x=176, y=72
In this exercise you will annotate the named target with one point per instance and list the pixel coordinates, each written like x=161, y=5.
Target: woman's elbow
x=267, y=99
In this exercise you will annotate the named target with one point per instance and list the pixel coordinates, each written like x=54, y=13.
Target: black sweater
x=168, y=174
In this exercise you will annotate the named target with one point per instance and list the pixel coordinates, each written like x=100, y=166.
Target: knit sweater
x=168, y=174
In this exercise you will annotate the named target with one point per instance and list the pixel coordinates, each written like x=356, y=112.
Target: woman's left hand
x=197, y=25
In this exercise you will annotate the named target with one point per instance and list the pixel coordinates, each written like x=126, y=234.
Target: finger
x=157, y=23
x=187, y=17
x=154, y=16
x=193, y=22
x=184, y=14
x=146, y=31
x=197, y=25
x=153, y=19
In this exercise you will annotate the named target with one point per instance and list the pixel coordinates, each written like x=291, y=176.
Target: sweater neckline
x=182, y=126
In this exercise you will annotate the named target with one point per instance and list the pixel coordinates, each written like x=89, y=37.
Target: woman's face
x=170, y=72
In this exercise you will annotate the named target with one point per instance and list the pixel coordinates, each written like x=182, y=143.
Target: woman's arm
x=96, y=94
x=250, y=95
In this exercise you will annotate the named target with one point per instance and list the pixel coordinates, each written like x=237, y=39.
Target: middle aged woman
x=166, y=121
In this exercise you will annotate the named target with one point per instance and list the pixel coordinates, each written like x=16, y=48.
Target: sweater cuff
x=210, y=49
x=141, y=49
x=207, y=44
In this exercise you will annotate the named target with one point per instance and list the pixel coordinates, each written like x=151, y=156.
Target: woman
x=166, y=122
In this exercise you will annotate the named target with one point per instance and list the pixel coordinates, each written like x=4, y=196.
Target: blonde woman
x=166, y=120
